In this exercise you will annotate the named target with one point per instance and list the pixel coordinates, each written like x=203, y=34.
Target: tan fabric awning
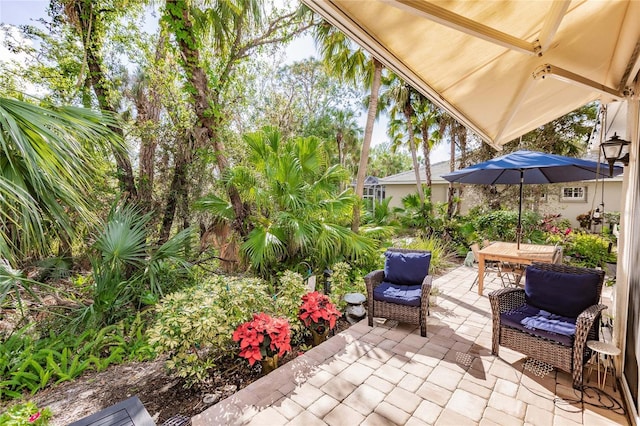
x=502, y=68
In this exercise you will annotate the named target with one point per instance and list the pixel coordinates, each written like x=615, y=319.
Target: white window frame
x=574, y=189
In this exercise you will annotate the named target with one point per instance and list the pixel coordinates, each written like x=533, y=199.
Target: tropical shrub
x=291, y=287
x=423, y=219
x=501, y=225
x=498, y=225
x=49, y=159
x=128, y=271
x=298, y=211
x=589, y=250
x=195, y=326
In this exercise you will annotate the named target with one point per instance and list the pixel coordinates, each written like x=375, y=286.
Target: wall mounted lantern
x=615, y=149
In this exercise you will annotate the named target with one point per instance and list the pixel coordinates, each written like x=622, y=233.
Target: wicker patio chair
x=401, y=291
x=559, y=292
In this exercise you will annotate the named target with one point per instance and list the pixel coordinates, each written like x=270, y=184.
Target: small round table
x=604, y=353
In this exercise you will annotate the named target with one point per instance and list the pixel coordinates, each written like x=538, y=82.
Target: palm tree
x=48, y=160
x=296, y=210
x=398, y=98
x=347, y=134
x=427, y=116
x=349, y=62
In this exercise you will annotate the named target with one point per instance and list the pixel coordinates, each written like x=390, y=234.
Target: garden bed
x=162, y=395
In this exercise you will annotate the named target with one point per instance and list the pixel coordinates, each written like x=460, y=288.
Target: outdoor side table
x=604, y=352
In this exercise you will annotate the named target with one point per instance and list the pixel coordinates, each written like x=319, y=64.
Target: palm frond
x=264, y=245
x=122, y=242
x=215, y=205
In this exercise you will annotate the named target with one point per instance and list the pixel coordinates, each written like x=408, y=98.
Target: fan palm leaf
x=51, y=155
x=122, y=242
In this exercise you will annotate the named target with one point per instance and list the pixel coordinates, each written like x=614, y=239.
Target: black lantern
x=327, y=280
x=615, y=149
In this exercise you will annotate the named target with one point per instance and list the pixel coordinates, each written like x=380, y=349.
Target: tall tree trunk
x=462, y=138
x=205, y=106
x=452, y=167
x=176, y=189
x=148, y=108
x=366, y=142
x=87, y=21
x=426, y=151
x=408, y=113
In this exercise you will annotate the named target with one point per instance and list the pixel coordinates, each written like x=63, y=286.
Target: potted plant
x=264, y=339
x=319, y=315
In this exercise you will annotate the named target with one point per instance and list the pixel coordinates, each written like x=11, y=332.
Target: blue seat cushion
x=563, y=294
x=408, y=295
x=406, y=268
x=541, y=323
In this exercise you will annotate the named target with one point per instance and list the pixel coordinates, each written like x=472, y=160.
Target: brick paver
x=389, y=374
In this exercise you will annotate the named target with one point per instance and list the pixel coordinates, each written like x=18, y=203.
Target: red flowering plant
x=318, y=312
x=263, y=336
x=555, y=231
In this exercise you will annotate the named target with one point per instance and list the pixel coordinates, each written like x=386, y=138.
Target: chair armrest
x=506, y=299
x=426, y=285
x=373, y=279
x=586, y=320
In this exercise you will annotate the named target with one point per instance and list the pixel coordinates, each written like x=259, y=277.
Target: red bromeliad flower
x=318, y=311
x=263, y=336
x=34, y=417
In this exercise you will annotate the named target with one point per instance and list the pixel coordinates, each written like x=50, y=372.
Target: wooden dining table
x=509, y=252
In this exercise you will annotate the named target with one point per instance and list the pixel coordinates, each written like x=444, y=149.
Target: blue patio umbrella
x=530, y=167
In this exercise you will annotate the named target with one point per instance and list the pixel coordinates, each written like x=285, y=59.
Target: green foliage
x=385, y=162
x=345, y=280
x=612, y=218
x=298, y=211
x=589, y=250
x=128, y=271
x=46, y=166
x=30, y=364
x=26, y=414
x=195, y=326
x=425, y=219
x=498, y=225
x=462, y=233
x=290, y=290
x=12, y=282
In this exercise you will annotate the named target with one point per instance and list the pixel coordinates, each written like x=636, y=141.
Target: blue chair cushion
x=561, y=293
x=406, y=268
x=408, y=295
x=541, y=323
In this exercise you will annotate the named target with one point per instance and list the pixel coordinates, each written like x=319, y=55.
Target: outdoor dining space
x=516, y=258
x=389, y=374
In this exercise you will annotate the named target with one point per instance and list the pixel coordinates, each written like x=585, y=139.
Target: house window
x=574, y=193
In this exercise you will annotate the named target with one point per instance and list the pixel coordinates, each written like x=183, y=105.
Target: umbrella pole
x=519, y=228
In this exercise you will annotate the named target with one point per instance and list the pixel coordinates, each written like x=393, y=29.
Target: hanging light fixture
x=615, y=149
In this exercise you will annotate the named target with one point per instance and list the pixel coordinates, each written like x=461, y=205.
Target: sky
x=21, y=12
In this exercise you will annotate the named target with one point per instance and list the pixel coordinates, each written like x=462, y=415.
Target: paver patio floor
x=389, y=375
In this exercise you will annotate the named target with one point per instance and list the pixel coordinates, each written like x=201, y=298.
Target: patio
x=390, y=375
